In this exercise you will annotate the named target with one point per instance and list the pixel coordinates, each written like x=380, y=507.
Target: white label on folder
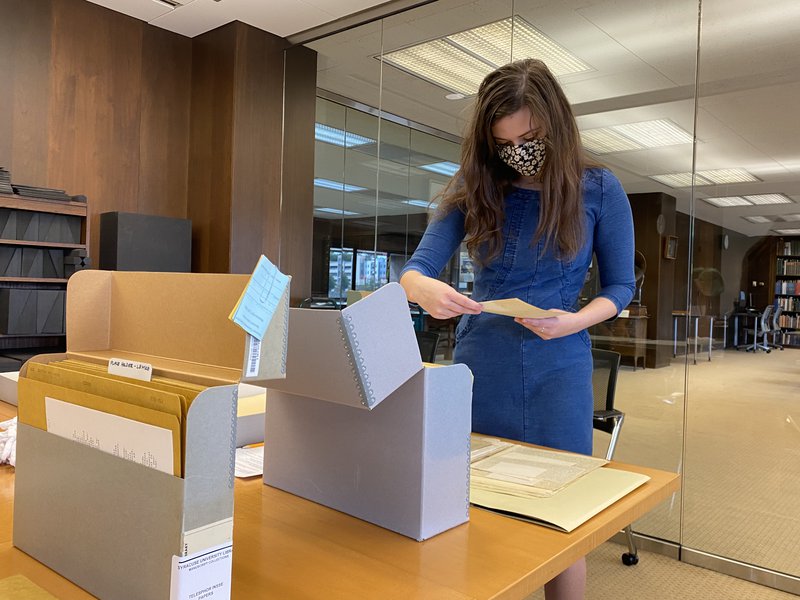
x=205, y=575
x=130, y=368
x=143, y=443
x=253, y=356
x=207, y=536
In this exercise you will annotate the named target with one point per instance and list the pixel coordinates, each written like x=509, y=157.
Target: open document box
x=112, y=526
x=361, y=426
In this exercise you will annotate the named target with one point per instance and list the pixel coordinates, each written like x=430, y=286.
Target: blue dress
x=527, y=388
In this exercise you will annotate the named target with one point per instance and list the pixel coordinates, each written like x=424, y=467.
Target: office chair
x=322, y=303
x=428, y=341
x=764, y=327
x=608, y=419
x=775, y=328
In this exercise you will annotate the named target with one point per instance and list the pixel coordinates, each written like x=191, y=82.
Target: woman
x=532, y=210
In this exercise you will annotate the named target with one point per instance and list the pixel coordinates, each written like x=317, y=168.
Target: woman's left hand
x=566, y=323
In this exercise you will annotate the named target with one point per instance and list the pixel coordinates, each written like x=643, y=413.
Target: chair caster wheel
x=629, y=559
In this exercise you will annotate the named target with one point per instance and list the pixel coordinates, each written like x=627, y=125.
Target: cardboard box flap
x=210, y=453
x=357, y=356
x=178, y=317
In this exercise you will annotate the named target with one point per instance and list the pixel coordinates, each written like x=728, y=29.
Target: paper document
x=526, y=472
x=514, y=307
x=571, y=506
x=260, y=299
x=145, y=444
x=481, y=447
x=249, y=462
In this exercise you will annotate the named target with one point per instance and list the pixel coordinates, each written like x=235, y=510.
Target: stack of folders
x=140, y=421
x=525, y=471
x=560, y=490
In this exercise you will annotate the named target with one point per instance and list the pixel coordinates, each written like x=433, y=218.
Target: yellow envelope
x=514, y=307
x=31, y=410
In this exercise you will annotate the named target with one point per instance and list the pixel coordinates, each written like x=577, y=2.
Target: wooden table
x=286, y=547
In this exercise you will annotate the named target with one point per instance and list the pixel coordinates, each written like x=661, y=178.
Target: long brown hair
x=483, y=179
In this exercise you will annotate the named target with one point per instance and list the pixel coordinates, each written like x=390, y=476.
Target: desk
x=677, y=314
x=626, y=335
x=286, y=547
x=746, y=314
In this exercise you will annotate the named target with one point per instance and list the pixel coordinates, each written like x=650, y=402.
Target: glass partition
x=742, y=433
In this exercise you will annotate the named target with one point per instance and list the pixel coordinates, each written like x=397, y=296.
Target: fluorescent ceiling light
x=792, y=217
x=604, y=140
x=769, y=199
x=337, y=185
x=335, y=211
x=710, y=177
x=493, y=43
x=634, y=136
x=442, y=168
x=676, y=179
x=339, y=137
x=727, y=176
x=758, y=219
x=459, y=62
x=728, y=201
x=442, y=64
x=420, y=203
x=787, y=231
x=167, y=3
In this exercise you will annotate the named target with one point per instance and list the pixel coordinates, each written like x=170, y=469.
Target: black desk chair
x=428, y=341
x=608, y=419
x=322, y=303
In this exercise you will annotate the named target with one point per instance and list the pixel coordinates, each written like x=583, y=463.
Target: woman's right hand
x=437, y=298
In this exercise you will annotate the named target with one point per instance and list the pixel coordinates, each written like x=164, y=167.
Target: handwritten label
x=130, y=368
x=205, y=575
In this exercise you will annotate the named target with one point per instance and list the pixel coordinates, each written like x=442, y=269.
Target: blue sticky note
x=260, y=299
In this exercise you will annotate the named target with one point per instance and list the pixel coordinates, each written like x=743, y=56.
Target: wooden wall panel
x=257, y=135
x=659, y=278
x=25, y=68
x=211, y=139
x=95, y=107
x=164, y=129
x=297, y=209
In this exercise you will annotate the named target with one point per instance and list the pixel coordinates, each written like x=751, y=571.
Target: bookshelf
x=41, y=243
x=787, y=289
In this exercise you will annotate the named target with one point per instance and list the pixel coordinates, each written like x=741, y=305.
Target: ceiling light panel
x=337, y=185
x=787, y=231
x=339, y=137
x=604, y=141
x=728, y=176
x=710, y=177
x=459, y=62
x=335, y=211
x=442, y=168
x=443, y=64
x=493, y=43
x=654, y=134
x=790, y=218
x=677, y=180
x=769, y=199
x=728, y=201
x=421, y=203
x=758, y=219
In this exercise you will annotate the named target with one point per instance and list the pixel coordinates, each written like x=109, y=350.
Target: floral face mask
x=526, y=159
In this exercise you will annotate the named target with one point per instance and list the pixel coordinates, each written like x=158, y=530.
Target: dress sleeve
x=614, y=243
x=442, y=237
